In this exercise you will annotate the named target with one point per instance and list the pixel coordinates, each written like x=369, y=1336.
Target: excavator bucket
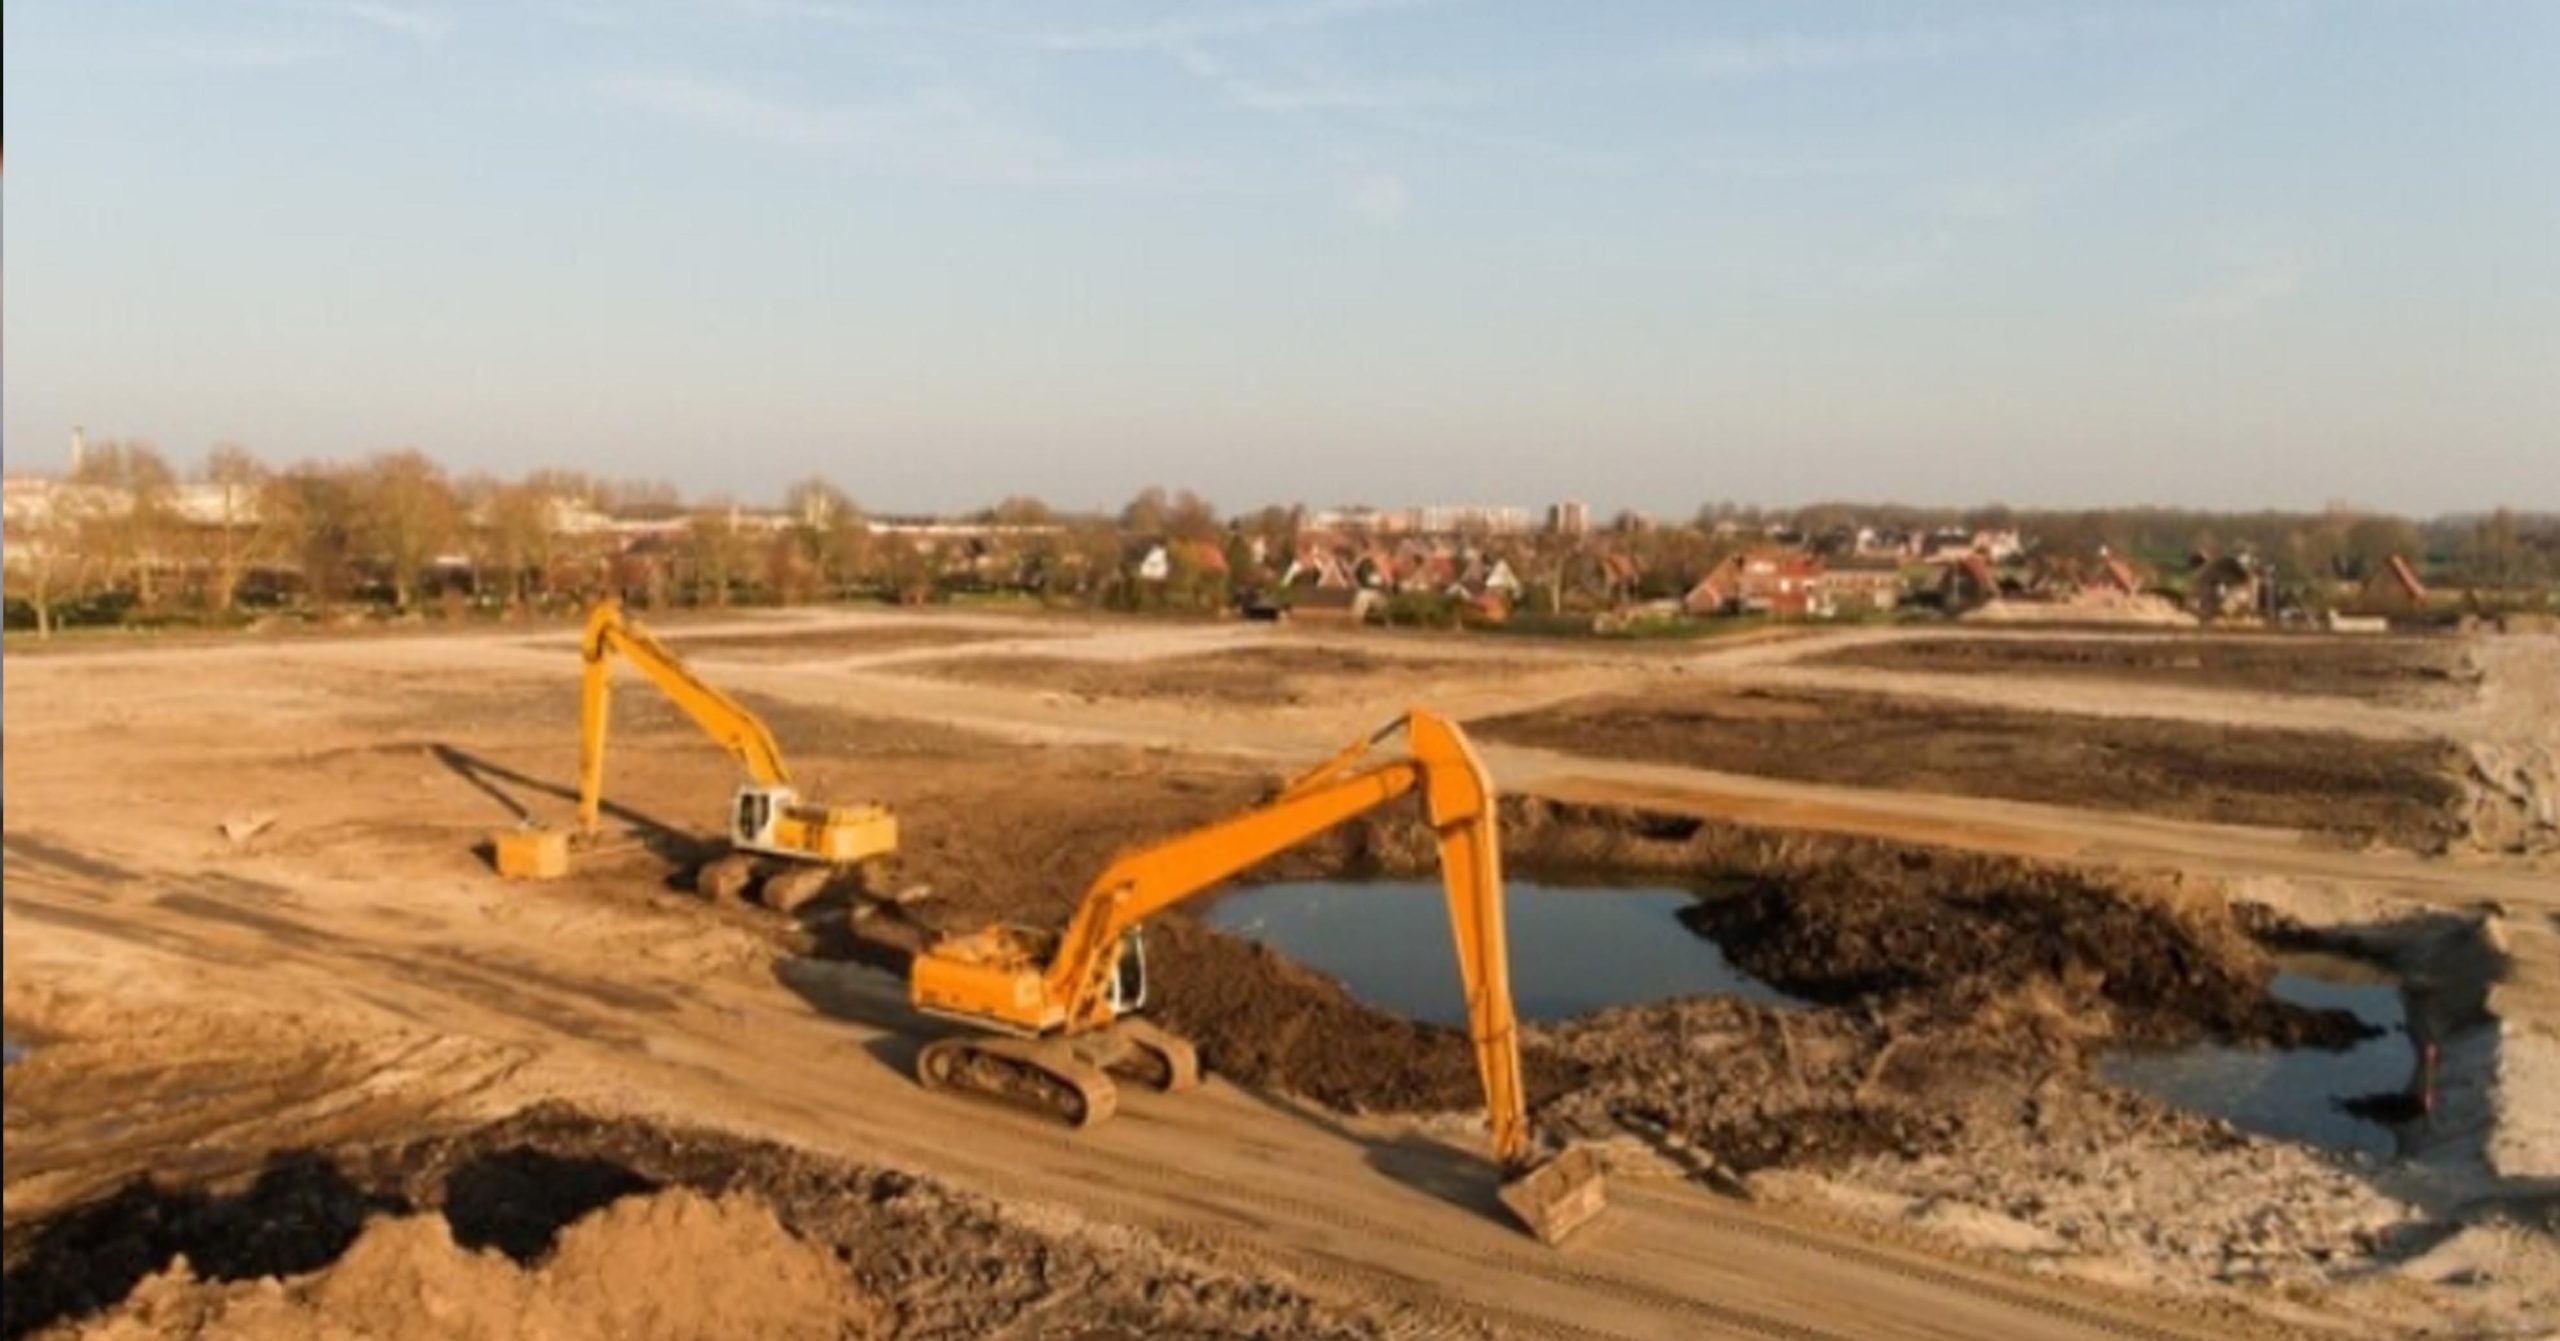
x=1557, y=1196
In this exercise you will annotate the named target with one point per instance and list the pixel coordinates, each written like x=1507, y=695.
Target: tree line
x=127, y=538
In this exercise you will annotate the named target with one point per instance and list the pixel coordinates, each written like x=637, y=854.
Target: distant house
x=1479, y=605
x=2082, y=579
x=1861, y=586
x=1158, y=560
x=1429, y=569
x=1968, y=583
x=1317, y=565
x=2394, y=589
x=1947, y=544
x=1335, y=605
x=1951, y=544
x=1203, y=556
x=1784, y=583
x=2231, y=587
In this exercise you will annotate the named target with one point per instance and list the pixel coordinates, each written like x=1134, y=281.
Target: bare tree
x=407, y=516
x=716, y=546
x=828, y=533
x=241, y=531
x=1191, y=517
x=313, y=508
x=517, y=537
x=46, y=563
x=127, y=514
x=1021, y=510
x=1147, y=513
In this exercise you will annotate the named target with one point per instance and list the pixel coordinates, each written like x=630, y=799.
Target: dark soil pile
x=2158, y=972
x=2399, y=792
x=1264, y=1020
x=2380, y=671
x=548, y=1190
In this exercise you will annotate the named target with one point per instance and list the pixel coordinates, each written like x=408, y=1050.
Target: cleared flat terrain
x=2388, y=791
x=2383, y=670
x=352, y=981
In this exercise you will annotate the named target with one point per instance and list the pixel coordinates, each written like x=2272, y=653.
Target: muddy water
x=2294, y=1093
x=1573, y=951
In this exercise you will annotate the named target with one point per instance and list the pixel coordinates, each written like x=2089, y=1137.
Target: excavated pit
x=560, y=1224
x=1578, y=948
x=1949, y=989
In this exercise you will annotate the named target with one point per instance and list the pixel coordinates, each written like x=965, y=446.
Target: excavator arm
x=1458, y=801
x=724, y=719
x=1552, y=1196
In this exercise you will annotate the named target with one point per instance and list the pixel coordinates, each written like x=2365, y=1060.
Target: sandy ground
x=351, y=979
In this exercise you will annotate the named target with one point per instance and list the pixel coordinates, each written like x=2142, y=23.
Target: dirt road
x=354, y=974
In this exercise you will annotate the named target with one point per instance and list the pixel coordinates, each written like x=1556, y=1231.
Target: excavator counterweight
x=1058, y=1007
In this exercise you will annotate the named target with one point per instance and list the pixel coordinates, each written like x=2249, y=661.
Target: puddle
x=1573, y=951
x=2293, y=1093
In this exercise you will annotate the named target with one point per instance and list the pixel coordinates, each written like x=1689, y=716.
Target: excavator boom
x=724, y=719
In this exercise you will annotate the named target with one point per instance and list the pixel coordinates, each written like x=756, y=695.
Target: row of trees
x=127, y=537
x=2501, y=550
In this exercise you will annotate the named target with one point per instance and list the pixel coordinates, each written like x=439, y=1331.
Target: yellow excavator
x=787, y=848
x=1056, y=1007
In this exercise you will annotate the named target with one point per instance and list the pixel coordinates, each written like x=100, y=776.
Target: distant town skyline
x=1397, y=252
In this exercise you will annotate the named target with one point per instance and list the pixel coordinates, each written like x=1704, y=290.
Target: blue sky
x=2234, y=254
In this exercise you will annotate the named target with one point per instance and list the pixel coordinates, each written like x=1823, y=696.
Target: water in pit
x=2293, y=1093
x=1573, y=951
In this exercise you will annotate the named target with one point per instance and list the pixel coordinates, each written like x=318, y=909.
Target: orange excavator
x=781, y=844
x=1057, y=1007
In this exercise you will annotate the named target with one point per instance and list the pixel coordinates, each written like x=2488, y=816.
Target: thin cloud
x=2248, y=290
x=737, y=111
x=415, y=22
x=1321, y=95
x=1395, y=96
x=1205, y=25
x=2086, y=152
x=229, y=54
x=1800, y=52
x=1376, y=198
x=934, y=133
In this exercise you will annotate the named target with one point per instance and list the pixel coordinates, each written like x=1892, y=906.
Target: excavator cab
x=1129, y=976
x=753, y=814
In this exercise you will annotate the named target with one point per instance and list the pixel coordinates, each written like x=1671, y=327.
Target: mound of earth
x=1264, y=1020
x=2149, y=968
x=557, y=1223
x=668, y=1266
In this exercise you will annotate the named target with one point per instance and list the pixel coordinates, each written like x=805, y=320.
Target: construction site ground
x=288, y=1060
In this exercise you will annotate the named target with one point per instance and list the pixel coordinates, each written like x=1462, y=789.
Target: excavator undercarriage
x=1066, y=1079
